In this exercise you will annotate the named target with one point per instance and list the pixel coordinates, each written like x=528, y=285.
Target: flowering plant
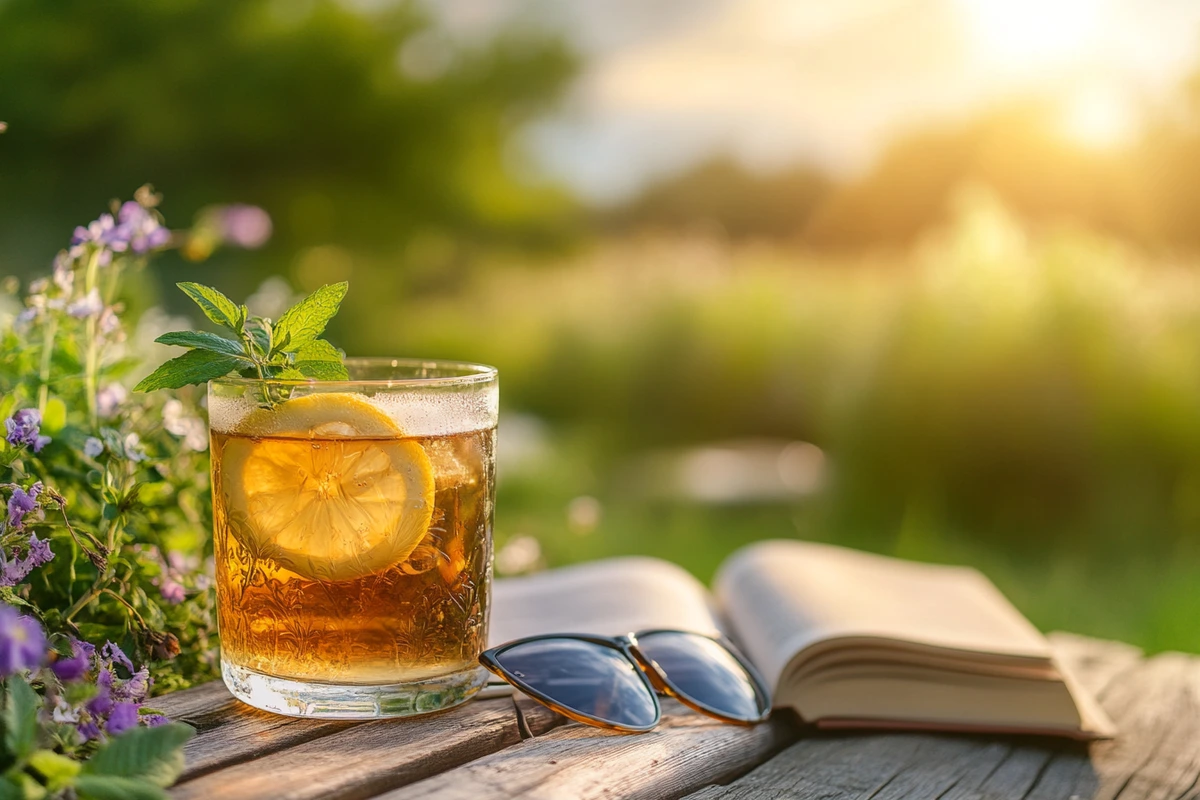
x=85, y=709
x=105, y=516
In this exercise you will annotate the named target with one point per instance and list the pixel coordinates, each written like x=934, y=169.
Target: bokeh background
x=918, y=276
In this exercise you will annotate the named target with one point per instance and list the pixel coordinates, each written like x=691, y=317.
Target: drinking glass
x=352, y=533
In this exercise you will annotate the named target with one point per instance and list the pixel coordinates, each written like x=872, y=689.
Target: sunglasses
x=614, y=682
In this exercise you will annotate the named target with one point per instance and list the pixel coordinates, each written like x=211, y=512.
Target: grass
x=1149, y=600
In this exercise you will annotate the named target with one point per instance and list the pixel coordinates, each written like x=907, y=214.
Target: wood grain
x=362, y=760
x=580, y=762
x=476, y=751
x=1157, y=754
x=230, y=732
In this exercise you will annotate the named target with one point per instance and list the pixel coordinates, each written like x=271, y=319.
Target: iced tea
x=352, y=539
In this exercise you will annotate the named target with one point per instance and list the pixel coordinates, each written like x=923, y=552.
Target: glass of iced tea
x=353, y=537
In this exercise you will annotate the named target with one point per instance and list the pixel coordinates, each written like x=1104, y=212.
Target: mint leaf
x=216, y=306
x=194, y=366
x=110, y=787
x=306, y=320
x=261, y=336
x=289, y=349
x=21, y=705
x=321, y=361
x=204, y=341
x=154, y=755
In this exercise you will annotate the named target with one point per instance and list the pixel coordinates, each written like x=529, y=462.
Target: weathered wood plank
x=247, y=733
x=1094, y=662
x=229, y=732
x=365, y=759
x=197, y=702
x=1157, y=755
x=576, y=761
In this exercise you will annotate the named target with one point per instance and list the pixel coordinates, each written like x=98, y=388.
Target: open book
x=847, y=639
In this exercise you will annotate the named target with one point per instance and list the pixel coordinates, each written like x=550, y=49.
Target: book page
x=609, y=598
x=784, y=596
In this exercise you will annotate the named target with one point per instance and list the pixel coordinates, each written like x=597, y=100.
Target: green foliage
x=43, y=757
x=305, y=321
x=1029, y=397
x=193, y=367
x=312, y=110
x=153, y=755
x=287, y=349
x=21, y=706
x=124, y=508
x=216, y=306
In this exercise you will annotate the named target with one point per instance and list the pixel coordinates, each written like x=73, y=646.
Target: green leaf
x=109, y=787
x=307, y=319
x=21, y=704
x=55, y=417
x=8, y=404
x=262, y=340
x=322, y=361
x=194, y=366
x=203, y=341
x=57, y=769
x=10, y=790
x=216, y=306
x=153, y=754
x=291, y=374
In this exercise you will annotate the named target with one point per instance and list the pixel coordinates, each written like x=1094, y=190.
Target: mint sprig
x=288, y=349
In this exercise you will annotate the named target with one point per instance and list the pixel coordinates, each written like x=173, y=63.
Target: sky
x=668, y=83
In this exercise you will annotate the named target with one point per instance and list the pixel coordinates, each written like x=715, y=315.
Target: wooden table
x=476, y=752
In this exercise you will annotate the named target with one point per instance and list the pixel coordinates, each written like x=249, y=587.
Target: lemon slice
x=325, y=486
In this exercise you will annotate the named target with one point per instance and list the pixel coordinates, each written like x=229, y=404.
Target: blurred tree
x=1017, y=151
x=361, y=128
x=722, y=192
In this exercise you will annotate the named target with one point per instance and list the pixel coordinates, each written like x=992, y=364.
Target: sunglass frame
x=653, y=677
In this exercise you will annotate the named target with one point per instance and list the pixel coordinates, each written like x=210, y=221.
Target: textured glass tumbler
x=352, y=533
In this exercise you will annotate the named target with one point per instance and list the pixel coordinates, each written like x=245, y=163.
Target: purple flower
x=113, y=654
x=154, y=720
x=101, y=704
x=109, y=321
x=25, y=319
x=39, y=551
x=140, y=228
x=122, y=717
x=64, y=275
x=172, y=591
x=109, y=399
x=134, y=228
x=22, y=642
x=93, y=447
x=88, y=730
x=244, y=226
x=104, y=233
x=17, y=569
x=23, y=430
x=73, y=668
x=22, y=504
x=136, y=688
x=87, y=306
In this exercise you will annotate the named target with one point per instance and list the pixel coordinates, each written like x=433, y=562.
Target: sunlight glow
x=1099, y=117
x=1025, y=34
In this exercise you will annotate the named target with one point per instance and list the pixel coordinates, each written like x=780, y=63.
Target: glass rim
x=471, y=374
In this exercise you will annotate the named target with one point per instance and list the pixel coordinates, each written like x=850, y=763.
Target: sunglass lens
x=706, y=673
x=591, y=679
